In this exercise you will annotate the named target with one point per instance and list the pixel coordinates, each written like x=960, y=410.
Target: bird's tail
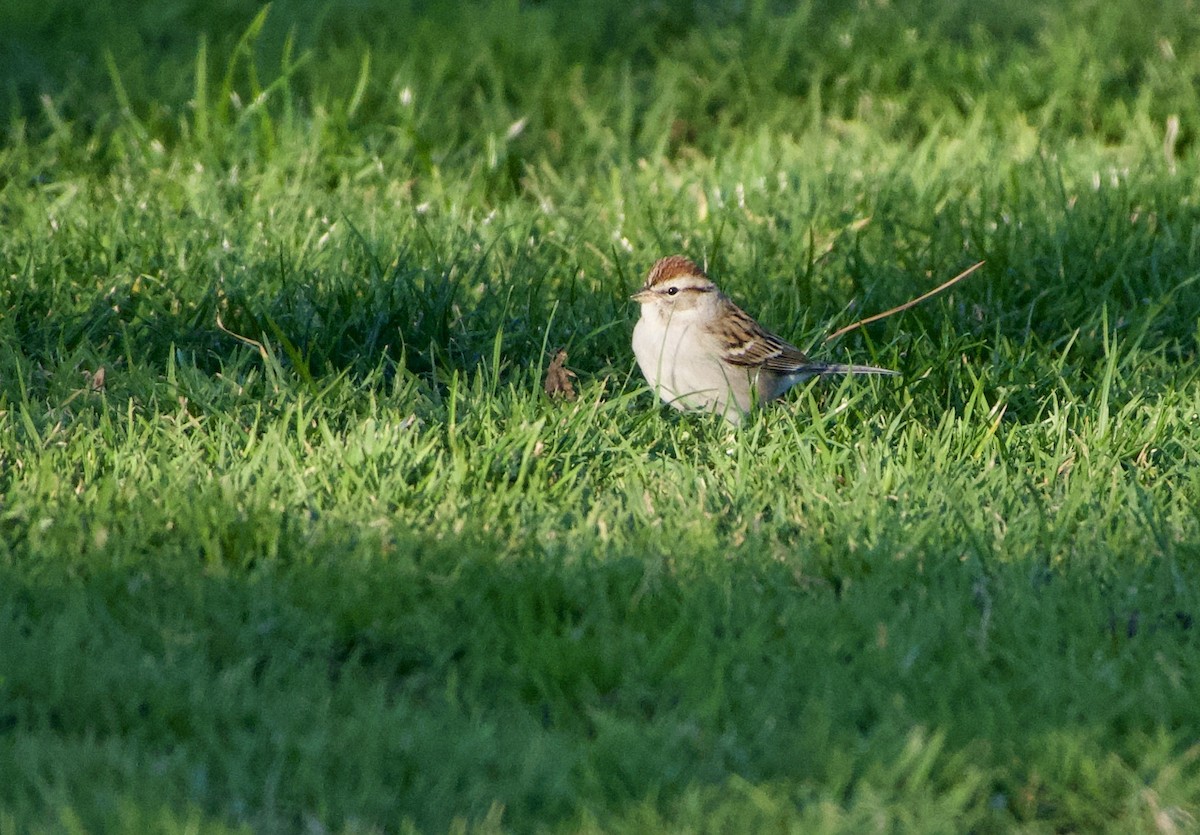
x=838, y=368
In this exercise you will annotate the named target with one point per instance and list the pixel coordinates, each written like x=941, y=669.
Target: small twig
x=907, y=304
x=254, y=343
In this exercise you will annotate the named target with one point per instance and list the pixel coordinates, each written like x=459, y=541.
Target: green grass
x=320, y=554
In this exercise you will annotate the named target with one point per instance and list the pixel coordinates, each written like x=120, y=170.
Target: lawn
x=292, y=538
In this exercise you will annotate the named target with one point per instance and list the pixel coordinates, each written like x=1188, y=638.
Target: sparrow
x=700, y=351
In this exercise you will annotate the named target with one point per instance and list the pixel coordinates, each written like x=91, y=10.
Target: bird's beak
x=642, y=296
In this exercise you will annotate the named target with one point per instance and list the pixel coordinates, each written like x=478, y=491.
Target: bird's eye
x=672, y=291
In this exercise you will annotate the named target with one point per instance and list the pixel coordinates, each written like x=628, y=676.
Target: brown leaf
x=96, y=382
x=558, y=377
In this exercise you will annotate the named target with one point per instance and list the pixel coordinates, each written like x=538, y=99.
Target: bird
x=701, y=352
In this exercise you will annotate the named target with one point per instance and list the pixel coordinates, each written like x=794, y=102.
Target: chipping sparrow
x=699, y=350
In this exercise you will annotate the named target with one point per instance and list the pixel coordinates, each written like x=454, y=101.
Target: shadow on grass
x=272, y=672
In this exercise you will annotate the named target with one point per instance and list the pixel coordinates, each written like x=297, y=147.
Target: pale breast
x=685, y=370
x=656, y=346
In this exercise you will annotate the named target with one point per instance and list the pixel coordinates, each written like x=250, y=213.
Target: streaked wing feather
x=749, y=345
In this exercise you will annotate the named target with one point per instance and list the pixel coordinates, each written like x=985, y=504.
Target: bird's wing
x=747, y=344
